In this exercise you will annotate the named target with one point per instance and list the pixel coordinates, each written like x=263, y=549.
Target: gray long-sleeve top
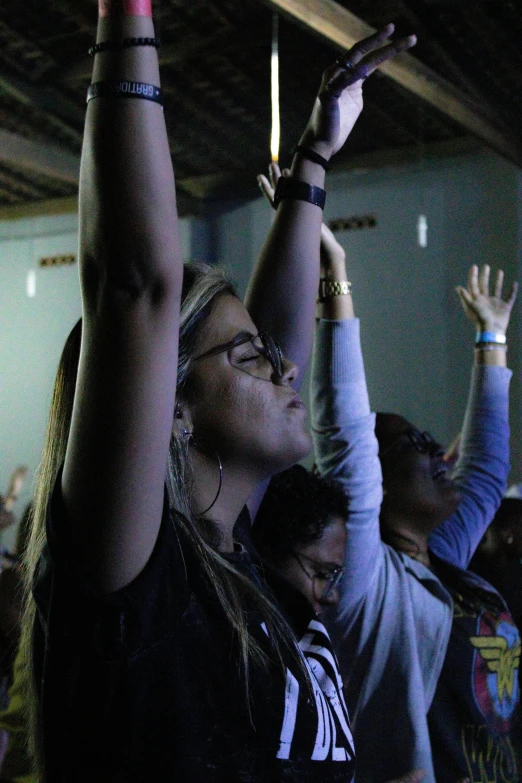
x=393, y=623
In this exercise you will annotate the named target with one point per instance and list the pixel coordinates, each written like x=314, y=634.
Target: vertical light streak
x=275, y=135
x=31, y=283
x=422, y=231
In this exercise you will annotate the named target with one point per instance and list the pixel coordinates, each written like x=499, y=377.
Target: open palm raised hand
x=340, y=99
x=489, y=313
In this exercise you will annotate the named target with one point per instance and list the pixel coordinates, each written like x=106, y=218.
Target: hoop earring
x=219, y=487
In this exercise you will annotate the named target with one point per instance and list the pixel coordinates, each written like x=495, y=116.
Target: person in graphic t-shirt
x=417, y=635
x=498, y=558
x=158, y=651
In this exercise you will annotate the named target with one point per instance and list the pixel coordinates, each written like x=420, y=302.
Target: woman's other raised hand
x=333, y=256
x=340, y=100
x=289, y=260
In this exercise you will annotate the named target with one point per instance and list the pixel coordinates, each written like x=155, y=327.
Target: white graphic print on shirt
x=333, y=740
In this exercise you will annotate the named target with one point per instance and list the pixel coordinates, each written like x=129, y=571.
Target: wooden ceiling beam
x=20, y=188
x=340, y=27
x=64, y=166
x=52, y=162
x=54, y=206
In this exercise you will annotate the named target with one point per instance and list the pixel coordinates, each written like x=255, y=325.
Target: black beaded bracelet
x=287, y=187
x=125, y=89
x=311, y=155
x=106, y=46
x=128, y=42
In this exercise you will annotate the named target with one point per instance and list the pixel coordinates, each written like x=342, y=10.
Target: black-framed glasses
x=261, y=345
x=423, y=442
x=324, y=580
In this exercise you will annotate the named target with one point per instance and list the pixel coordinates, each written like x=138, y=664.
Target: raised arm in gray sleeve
x=346, y=447
x=482, y=468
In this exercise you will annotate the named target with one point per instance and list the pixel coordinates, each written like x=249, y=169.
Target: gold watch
x=333, y=288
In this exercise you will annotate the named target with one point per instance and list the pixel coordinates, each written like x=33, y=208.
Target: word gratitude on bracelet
x=311, y=155
x=490, y=337
x=127, y=43
x=288, y=187
x=125, y=89
x=329, y=288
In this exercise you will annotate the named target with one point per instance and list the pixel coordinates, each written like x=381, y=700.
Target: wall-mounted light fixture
x=66, y=260
x=354, y=223
x=422, y=231
x=30, y=283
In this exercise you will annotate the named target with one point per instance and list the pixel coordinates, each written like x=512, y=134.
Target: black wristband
x=311, y=155
x=287, y=187
x=129, y=42
x=125, y=89
x=108, y=46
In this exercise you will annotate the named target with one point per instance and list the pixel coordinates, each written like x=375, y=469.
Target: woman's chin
x=303, y=448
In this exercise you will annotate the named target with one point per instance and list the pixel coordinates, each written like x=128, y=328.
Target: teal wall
x=32, y=334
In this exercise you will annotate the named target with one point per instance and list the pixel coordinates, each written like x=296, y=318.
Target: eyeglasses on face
x=261, y=345
x=324, y=580
x=423, y=442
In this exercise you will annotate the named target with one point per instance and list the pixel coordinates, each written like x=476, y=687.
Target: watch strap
x=287, y=187
x=333, y=288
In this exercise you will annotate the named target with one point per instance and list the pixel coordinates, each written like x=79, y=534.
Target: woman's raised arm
x=131, y=275
x=483, y=465
x=283, y=290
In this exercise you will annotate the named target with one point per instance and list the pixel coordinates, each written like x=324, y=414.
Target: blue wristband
x=490, y=337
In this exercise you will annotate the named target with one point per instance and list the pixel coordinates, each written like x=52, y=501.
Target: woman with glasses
x=300, y=529
x=157, y=651
x=428, y=651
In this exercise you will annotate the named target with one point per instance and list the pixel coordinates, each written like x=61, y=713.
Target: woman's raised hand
x=333, y=255
x=488, y=312
x=268, y=184
x=340, y=100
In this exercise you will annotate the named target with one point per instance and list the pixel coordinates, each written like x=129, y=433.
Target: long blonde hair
x=234, y=591
x=53, y=455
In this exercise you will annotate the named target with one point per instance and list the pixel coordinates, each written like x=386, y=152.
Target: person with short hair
x=301, y=516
